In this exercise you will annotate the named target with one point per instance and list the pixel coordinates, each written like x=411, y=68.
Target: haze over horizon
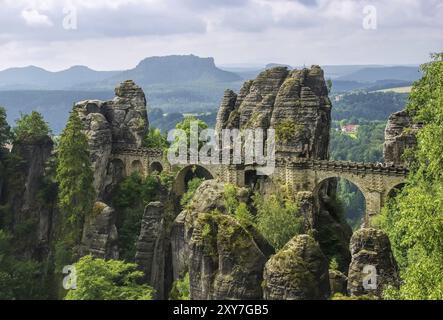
x=116, y=35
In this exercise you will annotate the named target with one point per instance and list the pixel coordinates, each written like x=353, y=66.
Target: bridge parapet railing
x=348, y=166
x=137, y=151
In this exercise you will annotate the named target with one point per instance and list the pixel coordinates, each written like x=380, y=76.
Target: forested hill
x=368, y=106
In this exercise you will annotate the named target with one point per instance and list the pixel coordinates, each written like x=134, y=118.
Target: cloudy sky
x=116, y=34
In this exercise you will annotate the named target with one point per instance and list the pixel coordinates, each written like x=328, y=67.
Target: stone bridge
x=375, y=181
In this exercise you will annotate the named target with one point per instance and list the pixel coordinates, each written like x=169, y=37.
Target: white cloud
x=34, y=18
x=233, y=31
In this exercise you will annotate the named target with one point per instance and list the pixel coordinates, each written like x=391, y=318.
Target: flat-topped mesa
x=122, y=121
x=294, y=103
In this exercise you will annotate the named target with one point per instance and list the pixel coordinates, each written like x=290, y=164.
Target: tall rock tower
x=122, y=121
x=294, y=103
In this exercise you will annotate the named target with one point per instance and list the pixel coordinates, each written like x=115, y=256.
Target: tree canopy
x=30, y=127
x=414, y=219
x=76, y=193
x=97, y=279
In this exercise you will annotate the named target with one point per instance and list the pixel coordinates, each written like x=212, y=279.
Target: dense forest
x=368, y=106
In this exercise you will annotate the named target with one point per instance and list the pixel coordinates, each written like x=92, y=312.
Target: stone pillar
x=373, y=205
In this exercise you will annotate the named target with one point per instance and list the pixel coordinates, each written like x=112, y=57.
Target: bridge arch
x=136, y=166
x=116, y=169
x=356, y=216
x=187, y=174
x=394, y=189
x=155, y=166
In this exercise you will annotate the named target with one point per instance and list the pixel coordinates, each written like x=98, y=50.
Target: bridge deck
x=296, y=163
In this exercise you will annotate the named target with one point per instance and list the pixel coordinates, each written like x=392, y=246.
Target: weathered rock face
x=100, y=238
x=329, y=229
x=299, y=271
x=400, y=135
x=207, y=198
x=151, y=247
x=22, y=193
x=338, y=282
x=294, y=103
x=224, y=259
x=121, y=121
x=371, y=247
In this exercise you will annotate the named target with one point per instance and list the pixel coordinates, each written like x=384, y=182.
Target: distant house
x=350, y=129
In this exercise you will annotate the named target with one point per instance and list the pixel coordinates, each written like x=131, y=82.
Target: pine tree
x=75, y=180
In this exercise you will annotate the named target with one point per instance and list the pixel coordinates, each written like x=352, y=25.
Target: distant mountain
x=383, y=73
x=174, y=70
x=34, y=78
x=188, y=69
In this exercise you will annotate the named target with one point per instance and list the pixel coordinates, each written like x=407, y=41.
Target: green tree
x=30, y=127
x=19, y=279
x=236, y=208
x=193, y=185
x=180, y=289
x=74, y=176
x=97, y=279
x=186, y=126
x=130, y=199
x=414, y=219
x=277, y=219
x=155, y=139
x=5, y=129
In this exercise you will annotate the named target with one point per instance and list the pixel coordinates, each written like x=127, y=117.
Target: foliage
x=19, y=279
x=30, y=127
x=230, y=198
x=74, y=177
x=243, y=215
x=186, y=126
x=236, y=208
x=368, y=106
x=155, y=139
x=180, y=289
x=366, y=147
x=130, y=199
x=352, y=203
x=277, y=219
x=414, y=218
x=333, y=264
x=286, y=130
x=5, y=129
x=189, y=194
x=98, y=279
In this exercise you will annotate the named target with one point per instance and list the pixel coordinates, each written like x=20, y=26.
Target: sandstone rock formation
x=400, y=135
x=30, y=161
x=294, y=103
x=100, y=233
x=338, y=282
x=299, y=271
x=151, y=247
x=329, y=229
x=371, y=247
x=108, y=124
x=224, y=259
